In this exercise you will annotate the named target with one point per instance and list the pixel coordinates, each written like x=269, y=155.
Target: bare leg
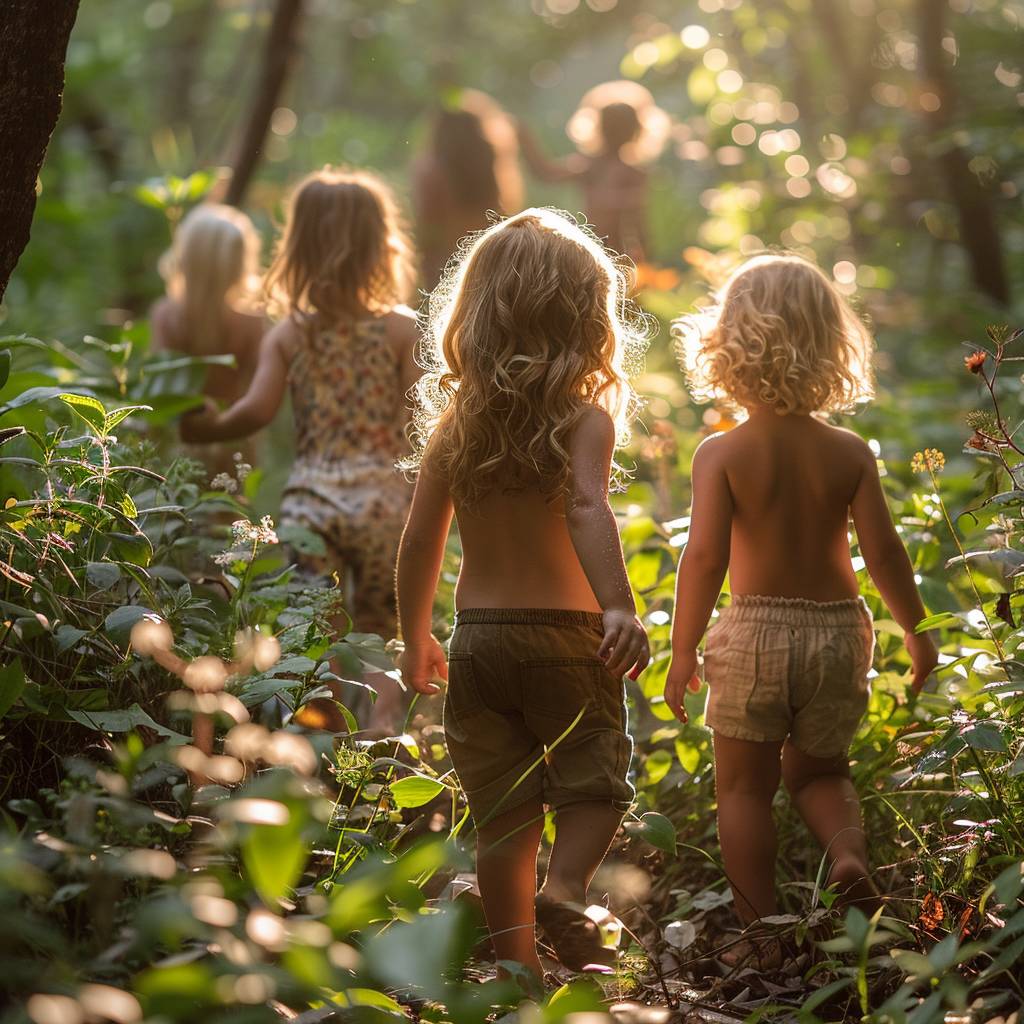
x=583, y=833
x=823, y=793
x=746, y=778
x=506, y=869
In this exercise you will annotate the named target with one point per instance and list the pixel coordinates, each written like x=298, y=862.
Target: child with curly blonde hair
x=345, y=351
x=520, y=416
x=787, y=662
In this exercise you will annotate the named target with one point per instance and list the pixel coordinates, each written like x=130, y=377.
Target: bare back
x=792, y=480
x=240, y=337
x=517, y=553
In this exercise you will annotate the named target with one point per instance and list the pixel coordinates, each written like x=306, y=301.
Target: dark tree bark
x=979, y=230
x=278, y=56
x=189, y=30
x=33, y=41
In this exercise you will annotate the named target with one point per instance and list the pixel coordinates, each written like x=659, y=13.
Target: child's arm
x=542, y=165
x=595, y=537
x=259, y=405
x=419, y=565
x=701, y=570
x=889, y=566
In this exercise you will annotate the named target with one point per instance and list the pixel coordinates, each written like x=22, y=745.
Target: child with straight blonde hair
x=521, y=413
x=212, y=276
x=787, y=662
x=345, y=351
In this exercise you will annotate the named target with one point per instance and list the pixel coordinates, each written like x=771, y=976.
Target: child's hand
x=624, y=647
x=923, y=657
x=422, y=663
x=682, y=676
x=194, y=425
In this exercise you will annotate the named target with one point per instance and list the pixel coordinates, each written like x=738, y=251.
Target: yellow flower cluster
x=931, y=460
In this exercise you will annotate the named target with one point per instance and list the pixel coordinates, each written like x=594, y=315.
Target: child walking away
x=211, y=272
x=618, y=128
x=787, y=662
x=345, y=351
x=520, y=418
x=468, y=173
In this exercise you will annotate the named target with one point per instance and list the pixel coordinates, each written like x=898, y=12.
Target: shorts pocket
x=559, y=687
x=462, y=700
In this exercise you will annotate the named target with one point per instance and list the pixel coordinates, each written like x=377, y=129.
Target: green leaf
x=128, y=507
x=274, y=855
x=29, y=397
x=119, y=622
x=415, y=790
x=12, y=682
x=88, y=409
x=355, y=997
x=112, y=419
x=655, y=829
x=67, y=636
x=102, y=575
x=124, y=721
x=983, y=736
x=939, y=621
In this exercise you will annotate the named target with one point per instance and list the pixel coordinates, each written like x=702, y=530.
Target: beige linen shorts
x=780, y=668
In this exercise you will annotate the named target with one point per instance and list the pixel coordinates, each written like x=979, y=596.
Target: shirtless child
x=521, y=416
x=787, y=662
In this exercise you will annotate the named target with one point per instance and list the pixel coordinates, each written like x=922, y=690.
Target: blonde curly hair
x=344, y=250
x=531, y=324
x=779, y=334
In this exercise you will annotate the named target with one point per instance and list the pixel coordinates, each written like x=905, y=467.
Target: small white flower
x=224, y=482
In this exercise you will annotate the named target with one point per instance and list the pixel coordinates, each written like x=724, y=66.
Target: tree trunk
x=979, y=230
x=33, y=41
x=278, y=55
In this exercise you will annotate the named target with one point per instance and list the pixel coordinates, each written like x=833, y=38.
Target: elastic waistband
x=528, y=617
x=797, y=611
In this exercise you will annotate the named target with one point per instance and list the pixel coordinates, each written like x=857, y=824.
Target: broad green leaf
x=983, y=736
x=128, y=507
x=88, y=409
x=102, y=575
x=415, y=790
x=124, y=721
x=119, y=622
x=355, y=997
x=12, y=682
x=112, y=419
x=274, y=855
x=655, y=829
x=29, y=397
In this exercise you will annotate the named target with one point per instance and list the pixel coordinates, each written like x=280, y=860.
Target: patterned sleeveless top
x=347, y=401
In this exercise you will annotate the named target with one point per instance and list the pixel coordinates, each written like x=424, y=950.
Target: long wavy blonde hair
x=344, y=250
x=531, y=325
x=213, y=264
x=779, y=334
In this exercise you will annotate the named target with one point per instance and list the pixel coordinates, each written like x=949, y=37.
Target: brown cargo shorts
x=532, y=711
x=780, y=668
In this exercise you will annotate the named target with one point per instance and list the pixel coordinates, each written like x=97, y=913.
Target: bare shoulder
x=716, y=451
x=284, y=338
x=594, y=428
x=850, y=445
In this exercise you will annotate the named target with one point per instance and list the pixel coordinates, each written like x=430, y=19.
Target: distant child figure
x=212, y=274
x=618, y=128
x=345, y=350
x=468, y=172
x=522, y=414
x=787, y=662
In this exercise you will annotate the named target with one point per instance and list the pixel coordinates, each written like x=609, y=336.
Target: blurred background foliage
x=884, y=138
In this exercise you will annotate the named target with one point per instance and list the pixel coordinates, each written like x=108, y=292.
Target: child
x=345, y=350
x=468, y=172
x=211, y=273
x=787, y=662
x=521, y=416
x=618, y=128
